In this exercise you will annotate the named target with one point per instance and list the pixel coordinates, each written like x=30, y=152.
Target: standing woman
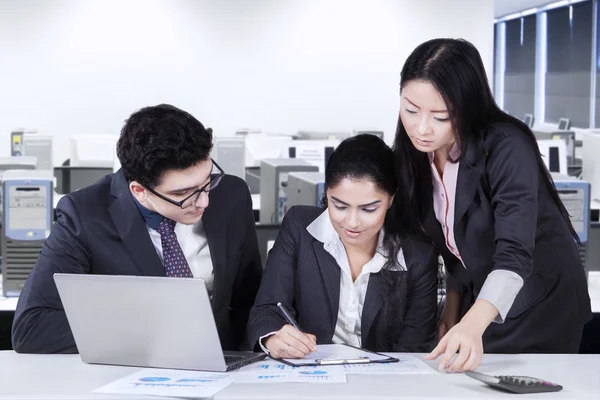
x=476, y=179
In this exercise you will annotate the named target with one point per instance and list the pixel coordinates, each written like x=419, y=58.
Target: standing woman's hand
x=465, y=338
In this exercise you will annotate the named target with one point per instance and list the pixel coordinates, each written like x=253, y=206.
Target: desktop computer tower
x=27, y=210
x=575, y=195
x=305, y=188
x=273, y=182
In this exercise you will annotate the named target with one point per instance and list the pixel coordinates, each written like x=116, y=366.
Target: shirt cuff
x=260, y=341
x=501, y=288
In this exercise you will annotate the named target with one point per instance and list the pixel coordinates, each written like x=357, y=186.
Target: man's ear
x=138, y=191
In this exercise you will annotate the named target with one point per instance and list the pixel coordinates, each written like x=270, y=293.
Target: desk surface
x=24, y=376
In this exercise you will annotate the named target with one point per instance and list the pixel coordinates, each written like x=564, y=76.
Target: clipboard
x=338, y=354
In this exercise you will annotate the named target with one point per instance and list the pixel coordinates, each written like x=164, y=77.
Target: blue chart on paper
x=315, y=372
x=155, y=379
x=267, y=366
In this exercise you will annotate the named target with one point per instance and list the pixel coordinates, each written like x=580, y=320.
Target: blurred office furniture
x=40, y=147
x=266, y=235
x=243, y=132
x=575, y=195
x=591, y=162
x=260, y=147
x=16, y=142
x=70, y=179
x=253, y=179
x=321, y=135
x=17, y=162
x=554, y=154
x=375, y=132
x=27, y=213
x=316, y=152
x=528, y=120
x=305, y=188
x=230, y=154
x=93, y=150
x=564, y=124
x=273, y=180
x=573, y=163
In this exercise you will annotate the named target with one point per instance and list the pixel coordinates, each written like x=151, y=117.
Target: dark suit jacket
x=305, y=278
x=99, y=230
x=506, y=219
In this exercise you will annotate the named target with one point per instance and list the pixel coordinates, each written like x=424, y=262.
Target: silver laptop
x=146, y=322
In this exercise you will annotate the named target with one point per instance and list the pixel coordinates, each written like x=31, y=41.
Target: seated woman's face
x=357, y=210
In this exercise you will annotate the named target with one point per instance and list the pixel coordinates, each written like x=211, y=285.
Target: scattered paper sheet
x=168, y=382
x=407, y=365
x=270, y=371
x=336, y=352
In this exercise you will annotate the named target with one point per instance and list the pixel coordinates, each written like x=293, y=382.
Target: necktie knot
x=166, y=226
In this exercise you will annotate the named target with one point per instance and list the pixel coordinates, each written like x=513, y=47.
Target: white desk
x=24, y=376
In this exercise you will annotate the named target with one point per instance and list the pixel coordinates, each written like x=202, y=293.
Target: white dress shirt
x=193, y=242
x=352, y=293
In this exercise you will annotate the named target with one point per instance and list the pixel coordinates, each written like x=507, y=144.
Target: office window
x=519, y=72
x=569, y=60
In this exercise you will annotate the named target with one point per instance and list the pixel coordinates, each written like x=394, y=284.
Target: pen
x=291, y=321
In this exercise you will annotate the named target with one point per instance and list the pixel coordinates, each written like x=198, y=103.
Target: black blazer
x=305, y=278
x=506, y=219
x=99, y=230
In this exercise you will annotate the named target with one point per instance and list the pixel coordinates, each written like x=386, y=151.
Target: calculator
x=515, y=384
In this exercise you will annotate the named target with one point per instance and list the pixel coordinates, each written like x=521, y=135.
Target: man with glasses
x=150, y=218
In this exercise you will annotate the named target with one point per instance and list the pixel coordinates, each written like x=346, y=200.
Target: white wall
x=83, y=66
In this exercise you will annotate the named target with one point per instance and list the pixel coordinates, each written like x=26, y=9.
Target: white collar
x=322, y=230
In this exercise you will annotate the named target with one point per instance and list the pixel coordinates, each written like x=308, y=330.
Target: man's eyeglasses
x=215, y=177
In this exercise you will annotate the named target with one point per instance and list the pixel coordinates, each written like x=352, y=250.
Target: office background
x=72, y=66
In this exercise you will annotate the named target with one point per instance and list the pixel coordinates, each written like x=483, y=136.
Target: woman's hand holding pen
x=289, y=342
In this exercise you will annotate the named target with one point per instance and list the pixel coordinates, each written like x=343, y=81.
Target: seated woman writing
x=353, y=272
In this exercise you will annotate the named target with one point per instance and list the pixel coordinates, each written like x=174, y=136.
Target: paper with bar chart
x=270, y=371
x=407, y=364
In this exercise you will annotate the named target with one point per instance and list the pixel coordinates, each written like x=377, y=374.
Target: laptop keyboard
x=232, y=359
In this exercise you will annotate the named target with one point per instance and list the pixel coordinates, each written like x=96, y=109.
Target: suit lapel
x=132, y=229
x=470, y=170
x=330, y=275
x=373, y=303
x=215, y=236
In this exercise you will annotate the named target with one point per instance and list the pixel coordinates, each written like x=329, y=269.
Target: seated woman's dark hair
x=367, y=157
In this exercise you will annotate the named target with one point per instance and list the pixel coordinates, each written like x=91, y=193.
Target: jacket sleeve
x=277, y=284
x=420, y=317
x=247, y=279
x=40, y=324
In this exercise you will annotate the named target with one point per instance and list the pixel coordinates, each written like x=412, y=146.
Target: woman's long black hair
x=367, y=157
x=454, y=67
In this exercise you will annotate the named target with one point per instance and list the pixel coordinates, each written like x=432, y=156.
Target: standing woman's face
x=425, y=117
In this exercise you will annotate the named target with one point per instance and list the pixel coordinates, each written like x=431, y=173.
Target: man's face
x=177, y=185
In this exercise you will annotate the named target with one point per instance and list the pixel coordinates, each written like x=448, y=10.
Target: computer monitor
x=554, y=154
x=70, y=179
x=564, y=124
x=315, y=152
x=591, y=162
x=93, y=150
x=528, y=119
x=40, y=147
x=230, y=154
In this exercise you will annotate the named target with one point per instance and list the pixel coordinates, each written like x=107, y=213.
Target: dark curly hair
x=159, y=138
